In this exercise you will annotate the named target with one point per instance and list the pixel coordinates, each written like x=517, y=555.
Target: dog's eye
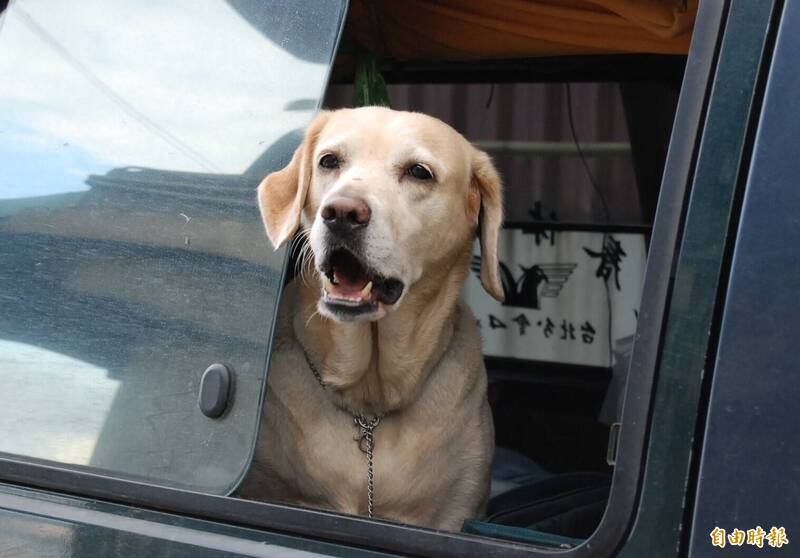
x=329, y=161
x=420, y=172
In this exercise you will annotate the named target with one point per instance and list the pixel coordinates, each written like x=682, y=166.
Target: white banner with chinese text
x=559, y=289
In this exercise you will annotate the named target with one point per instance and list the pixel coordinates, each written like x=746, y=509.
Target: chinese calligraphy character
x=522, y=322
x=495, y=322
x=587, y=332
x=536, y=215
x=777, y=537
x=567, y=330
x=736, y=538
x=610, y=259
x=718, y=537
x=548, y=327
x=756, y=536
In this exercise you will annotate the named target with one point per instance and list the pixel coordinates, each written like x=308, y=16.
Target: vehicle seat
x=530, y=504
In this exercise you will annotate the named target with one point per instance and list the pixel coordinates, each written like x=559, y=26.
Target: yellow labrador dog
x=376, y=368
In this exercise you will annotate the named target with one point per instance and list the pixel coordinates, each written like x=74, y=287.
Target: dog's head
x=385, y=197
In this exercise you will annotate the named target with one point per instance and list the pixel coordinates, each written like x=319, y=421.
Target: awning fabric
x=483, y=29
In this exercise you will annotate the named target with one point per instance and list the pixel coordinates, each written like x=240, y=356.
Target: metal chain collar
x=367, y=435
x=365, y=439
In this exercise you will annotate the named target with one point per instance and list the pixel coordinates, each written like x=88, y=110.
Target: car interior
x=136, y=284
x=581, y=146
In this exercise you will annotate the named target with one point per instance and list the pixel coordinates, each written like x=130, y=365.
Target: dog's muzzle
x=351, y=287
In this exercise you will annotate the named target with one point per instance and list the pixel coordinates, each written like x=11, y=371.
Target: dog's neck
x=378, y=367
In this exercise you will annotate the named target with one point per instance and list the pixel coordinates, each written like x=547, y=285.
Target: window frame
x=701, y=275
x=629, y=473
x=757, y=300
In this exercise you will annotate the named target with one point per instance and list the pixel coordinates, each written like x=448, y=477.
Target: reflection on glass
x=176, y=85
x=76, y=394
x=132, y=138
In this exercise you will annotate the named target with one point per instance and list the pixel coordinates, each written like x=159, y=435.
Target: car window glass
x=132, y=137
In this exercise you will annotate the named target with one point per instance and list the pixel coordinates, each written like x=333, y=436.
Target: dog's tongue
x=349, y=286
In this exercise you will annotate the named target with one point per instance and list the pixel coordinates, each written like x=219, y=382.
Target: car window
x=132, y=137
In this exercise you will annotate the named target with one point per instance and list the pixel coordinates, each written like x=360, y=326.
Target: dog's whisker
x=305, y=261
x=310, y=259
x=311, y=317
x=315, y=312
x=303, y=255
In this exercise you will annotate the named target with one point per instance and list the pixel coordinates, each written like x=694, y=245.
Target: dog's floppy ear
x=282, y=194
x=486, y=182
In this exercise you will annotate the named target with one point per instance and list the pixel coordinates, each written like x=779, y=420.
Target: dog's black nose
x=344, y=213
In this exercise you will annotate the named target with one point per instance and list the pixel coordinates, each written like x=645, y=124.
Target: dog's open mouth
x=352, y=288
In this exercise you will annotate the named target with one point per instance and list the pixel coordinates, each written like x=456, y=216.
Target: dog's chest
x=325, y=463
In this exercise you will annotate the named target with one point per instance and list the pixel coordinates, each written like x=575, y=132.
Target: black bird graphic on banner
x=535, y=282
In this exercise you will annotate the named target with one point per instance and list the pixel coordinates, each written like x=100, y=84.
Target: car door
x=747, y=496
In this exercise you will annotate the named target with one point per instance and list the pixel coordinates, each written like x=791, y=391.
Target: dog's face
x=384, y=197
